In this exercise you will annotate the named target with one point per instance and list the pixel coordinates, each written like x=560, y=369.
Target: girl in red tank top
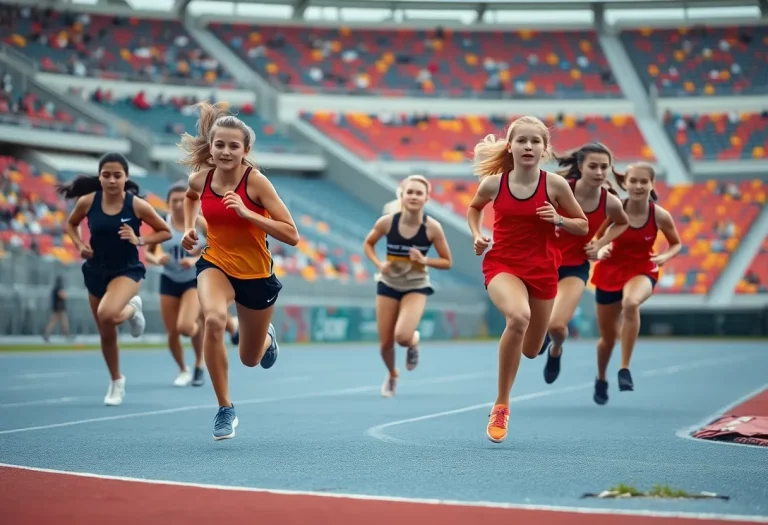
x=627, y=271
x=241, y=208
x=586, y=170
x=521, y=267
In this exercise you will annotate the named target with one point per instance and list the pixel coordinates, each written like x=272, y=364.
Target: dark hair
x=572, y=160
x=621, y=178
x=85, y=184
x=175, y=188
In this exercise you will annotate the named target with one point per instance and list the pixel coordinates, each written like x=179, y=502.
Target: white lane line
x=378, y=431
x=254, y=401
x=52, y=401
x=423, y=501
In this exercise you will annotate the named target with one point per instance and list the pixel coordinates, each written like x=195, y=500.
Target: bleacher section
x=755, y=279
x=720, y=136
x=19, y=106
x=701, y=61
x=439, y=62
x=115, y=47
x=448, y=138
x=168, y=117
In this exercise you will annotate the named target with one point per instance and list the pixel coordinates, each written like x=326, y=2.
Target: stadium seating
x=28, y=109
x=168, y=118
x=720, y=136
x=451, y=139
x=439, y=62
x=701, y=61
x=755, y=279
x=154, y=50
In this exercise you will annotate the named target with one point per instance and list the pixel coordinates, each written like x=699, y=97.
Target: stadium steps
x=652, y=129
x=723, y=290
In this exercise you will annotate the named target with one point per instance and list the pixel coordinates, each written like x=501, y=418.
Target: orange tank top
x=238, y=247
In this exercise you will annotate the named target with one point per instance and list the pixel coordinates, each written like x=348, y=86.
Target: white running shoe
x=137, y=321
x=184, y=378
x=115, y=393
x=389, y=386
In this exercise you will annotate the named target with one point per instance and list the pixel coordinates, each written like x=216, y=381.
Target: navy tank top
x=110, y=252
x=406, y=274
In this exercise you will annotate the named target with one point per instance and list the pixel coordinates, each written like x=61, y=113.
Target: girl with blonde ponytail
x=241, y=208
x=521, y=267
x=403, y=283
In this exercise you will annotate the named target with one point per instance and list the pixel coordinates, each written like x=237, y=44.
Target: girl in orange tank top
x=627, y=271
x=521, y=268
x=241, y=207
x=586, y=170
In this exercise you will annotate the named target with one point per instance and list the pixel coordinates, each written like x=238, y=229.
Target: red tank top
x=235, y=245
x=572, y=246
x=521, y=239
x=630, y=256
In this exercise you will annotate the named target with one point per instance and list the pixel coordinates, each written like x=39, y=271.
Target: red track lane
x=756, y=406
x=30, y=497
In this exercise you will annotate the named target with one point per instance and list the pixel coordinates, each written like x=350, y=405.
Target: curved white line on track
x=378, y=431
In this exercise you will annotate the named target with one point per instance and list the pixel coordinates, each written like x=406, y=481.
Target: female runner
x=586, y=170
x=627, y=272
x=241, y=207
x=112, y=270
x=521, y=268
x=403, y=278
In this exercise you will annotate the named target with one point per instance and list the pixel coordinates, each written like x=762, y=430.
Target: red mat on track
x=41, y=497
x=746, y=423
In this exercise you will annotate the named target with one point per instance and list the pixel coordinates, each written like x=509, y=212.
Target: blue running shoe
x=224, y=423
x=270, y=356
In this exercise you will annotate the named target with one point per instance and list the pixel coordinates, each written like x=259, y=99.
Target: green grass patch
x=656, y=492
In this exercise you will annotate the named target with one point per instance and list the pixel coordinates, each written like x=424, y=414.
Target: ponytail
x=85, y=184
x=198, y=148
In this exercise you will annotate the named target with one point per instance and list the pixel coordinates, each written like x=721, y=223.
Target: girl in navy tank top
x=521, y=267
x=112, y=269
x=403, y=283
x=586, y=170
x=627, y=272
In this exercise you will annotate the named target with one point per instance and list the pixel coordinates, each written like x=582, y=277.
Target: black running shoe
x=625, y=380
x=601, y=392
x=552, y=367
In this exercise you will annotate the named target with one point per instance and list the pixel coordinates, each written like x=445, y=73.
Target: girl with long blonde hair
x=521, y=266
x=403, y=283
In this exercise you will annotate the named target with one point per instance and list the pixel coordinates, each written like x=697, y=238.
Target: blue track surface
x=317, y=422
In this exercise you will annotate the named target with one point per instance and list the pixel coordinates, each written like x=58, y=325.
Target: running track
x=317, y=443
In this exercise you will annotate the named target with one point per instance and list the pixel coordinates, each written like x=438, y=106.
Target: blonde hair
x=396, y=205
x=213, y=116
x=621, y=178
x=492, y=155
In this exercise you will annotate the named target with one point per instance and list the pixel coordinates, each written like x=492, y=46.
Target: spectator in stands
x=58, y=310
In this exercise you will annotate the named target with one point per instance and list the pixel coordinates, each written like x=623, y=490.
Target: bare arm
x=486, y=193
x=192, y=199
x=72, y=229
x=667, y=226
x=444, y=262
x=577, y=224
x=619, y=222
x=147, y=213
x=151, y=254
x=379, y=230
x=279, y=225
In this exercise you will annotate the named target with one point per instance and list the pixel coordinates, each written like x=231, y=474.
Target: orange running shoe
x=497, y=424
